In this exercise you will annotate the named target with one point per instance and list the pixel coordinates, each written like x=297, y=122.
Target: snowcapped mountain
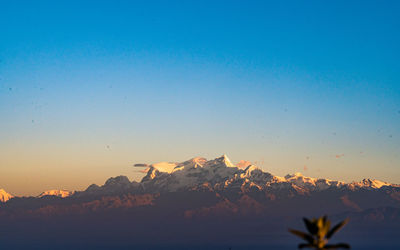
x=169, y=177
x=220, y=173
x=371, y=184
x=299, y=180
x=4, y=196
x=58, y=193
x=113, y=186
x=207, y=196
x=222, y=177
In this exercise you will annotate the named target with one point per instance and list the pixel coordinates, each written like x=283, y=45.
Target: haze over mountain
x=204, y=192
x=217, y=174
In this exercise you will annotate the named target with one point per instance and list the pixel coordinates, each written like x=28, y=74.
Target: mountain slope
x=4, y=196
x=58, y=193
x=199, y=200
x=218, y=181
x=221, y=174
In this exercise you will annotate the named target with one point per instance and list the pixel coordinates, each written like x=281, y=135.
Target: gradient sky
x=89, y=88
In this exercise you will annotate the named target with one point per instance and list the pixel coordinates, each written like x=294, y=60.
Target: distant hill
x=206, y=201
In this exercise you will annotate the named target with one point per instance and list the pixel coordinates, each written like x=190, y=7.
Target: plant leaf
x=302, y=235
x=336, y=228
x=326, y=227
x=321, y=226
x=303, y=245
x=324, y=218
x=339, y=245
x=311, y=227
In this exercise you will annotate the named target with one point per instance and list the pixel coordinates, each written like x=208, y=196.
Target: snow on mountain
x=164, y=167
x=371, y=184
x=58, y=193
x=180, y=176
x=4, y=196
x=200, y=187
x=243, y=164
x=113, y=186
x=308, y=182
x=220, y=175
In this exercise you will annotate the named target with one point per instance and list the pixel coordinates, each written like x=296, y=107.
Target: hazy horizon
x=136, y=174
x=87, y=90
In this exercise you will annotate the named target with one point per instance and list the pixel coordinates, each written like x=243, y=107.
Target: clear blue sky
x=87, y=88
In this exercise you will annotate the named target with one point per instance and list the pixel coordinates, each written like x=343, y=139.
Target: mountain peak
x=218, y=174
x=374, y=183
x=224, y=160
x=58, y=193
x=4, y=196
x=294, y=176
x=164, y=166
x=199, y=160
x=242, y=164
x=119, y=180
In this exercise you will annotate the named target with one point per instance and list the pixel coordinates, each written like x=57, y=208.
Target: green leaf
x=302, y=235
x=336, y=228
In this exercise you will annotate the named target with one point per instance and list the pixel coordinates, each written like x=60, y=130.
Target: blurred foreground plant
x=320, y=232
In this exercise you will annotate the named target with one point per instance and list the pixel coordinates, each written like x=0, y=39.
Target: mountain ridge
x=218, y=174
x=200, y=196
x=56, y=192
x=170, y=177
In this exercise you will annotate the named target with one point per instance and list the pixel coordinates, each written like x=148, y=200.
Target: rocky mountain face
x=221, y=175
x=225, y=180
x=58, y=193
x=218, y=175
x=202, y=198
